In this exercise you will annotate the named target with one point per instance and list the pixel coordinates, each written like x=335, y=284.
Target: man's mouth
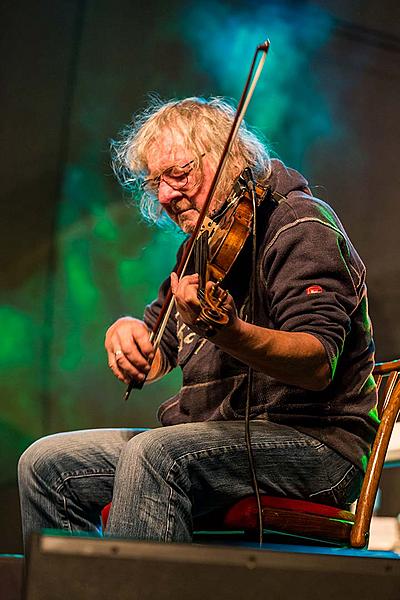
x=179, y=213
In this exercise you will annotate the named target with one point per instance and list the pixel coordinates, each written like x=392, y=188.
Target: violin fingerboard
x=201, y=252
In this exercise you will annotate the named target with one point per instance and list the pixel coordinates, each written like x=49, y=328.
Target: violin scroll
x=214, y=314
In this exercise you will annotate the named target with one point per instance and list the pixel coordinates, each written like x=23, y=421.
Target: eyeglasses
x=176, y=177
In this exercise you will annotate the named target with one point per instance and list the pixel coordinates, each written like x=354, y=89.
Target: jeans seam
x=333, y=486
x=66, y=521
x=102, y=474
x=256, y=446
x=168, y=524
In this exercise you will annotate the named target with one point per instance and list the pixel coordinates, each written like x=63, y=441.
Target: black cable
x=250, y=454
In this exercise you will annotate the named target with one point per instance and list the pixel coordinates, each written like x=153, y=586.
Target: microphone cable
x=252, y=291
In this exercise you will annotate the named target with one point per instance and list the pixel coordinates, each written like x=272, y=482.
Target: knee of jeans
x=37, y=459
x=151, y=447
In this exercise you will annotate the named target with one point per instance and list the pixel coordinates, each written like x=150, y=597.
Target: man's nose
x=166, y=193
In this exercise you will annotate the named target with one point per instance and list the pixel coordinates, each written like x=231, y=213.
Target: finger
x=132, y=362
x=174, y=282
x=177, y=283
x=140, y=341
x=127, y=331
x=113, y=365
x=126, y=356
x=134, y=341
x=125, y=370
x=187, y=284
x=189, y=279
x=187, y=295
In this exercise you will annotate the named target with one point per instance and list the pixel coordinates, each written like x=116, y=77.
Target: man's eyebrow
x=171, y=166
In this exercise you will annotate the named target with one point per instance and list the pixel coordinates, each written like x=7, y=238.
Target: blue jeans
x=160, y=479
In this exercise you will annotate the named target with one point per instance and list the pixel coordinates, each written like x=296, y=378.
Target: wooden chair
x=392, y=460
x=318, y=522
x=308, y=520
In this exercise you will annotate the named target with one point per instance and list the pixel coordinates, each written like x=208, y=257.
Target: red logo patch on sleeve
x=314, y=289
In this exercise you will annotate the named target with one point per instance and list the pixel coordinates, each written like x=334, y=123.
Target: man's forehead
x=168, y=148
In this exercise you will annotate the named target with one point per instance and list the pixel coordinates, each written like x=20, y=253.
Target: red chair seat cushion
x=243, y=514
x=104, y=515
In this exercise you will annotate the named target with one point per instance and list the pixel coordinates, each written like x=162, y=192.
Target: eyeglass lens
x=175, y=176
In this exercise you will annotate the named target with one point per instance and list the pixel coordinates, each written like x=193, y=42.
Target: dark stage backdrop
x=75, y=253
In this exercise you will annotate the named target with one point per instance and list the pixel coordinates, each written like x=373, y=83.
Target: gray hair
x=204, y=126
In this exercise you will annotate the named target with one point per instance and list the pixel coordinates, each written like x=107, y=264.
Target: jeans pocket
x=343, y=480
x=347, y=489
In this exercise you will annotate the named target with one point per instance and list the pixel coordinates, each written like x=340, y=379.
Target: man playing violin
x=312, y=396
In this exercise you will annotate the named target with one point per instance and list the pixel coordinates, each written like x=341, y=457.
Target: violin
x=226, y=240
x=220, y=241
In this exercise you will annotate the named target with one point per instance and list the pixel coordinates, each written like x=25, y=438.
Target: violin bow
x=247, y=93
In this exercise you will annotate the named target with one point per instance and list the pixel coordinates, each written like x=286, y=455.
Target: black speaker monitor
x=69, y=568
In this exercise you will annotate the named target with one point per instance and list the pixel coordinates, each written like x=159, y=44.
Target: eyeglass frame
x=157, y=180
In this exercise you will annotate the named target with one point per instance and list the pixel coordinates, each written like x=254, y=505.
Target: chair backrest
x=387, y=378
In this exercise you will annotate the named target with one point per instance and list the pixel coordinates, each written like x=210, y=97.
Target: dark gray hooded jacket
x=309, y=279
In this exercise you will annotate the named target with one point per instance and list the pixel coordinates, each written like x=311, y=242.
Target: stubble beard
x=187, y=221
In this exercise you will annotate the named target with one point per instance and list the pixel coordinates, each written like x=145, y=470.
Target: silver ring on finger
x=118, y=353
